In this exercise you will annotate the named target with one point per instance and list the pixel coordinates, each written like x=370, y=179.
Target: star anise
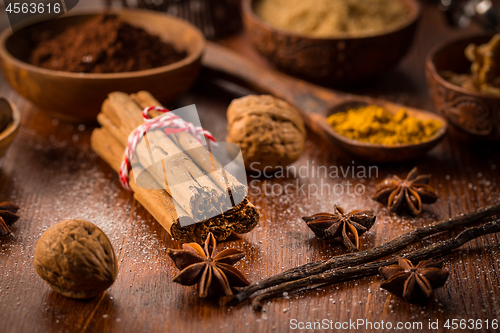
x=411, y=192
x=349, y=226
x=413, y=283
x=212, y=271
x=8, y=217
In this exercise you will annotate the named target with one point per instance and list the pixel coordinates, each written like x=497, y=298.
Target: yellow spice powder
x=331, y=18
x=376, y=125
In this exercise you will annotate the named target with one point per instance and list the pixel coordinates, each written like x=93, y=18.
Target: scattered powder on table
x=104, y=44
x=374, y=124
x=331, y=18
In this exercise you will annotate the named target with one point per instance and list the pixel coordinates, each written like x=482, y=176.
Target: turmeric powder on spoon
x=374, y=124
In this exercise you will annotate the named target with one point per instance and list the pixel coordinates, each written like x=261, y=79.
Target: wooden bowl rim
x=12, y=128
x=415, y=12
x=431, y=67
x=188, y=60
x=376, y=146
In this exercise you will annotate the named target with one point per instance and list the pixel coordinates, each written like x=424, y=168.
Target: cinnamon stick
x=218, y=226
x=244, y=216
x=197, y=194
x=199, y=154
x=182, y=179
x=163, y=208
x=120, y=115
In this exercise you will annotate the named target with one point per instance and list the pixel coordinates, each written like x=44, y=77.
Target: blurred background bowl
x=331, y=61
x=9, y=133
x=215, y=18
x=472, y=116
x=77, y=97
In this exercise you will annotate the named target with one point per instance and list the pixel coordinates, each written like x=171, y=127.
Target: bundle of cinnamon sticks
x=202, y=189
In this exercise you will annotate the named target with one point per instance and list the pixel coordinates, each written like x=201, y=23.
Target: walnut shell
x=268, y=130
x=76, y=259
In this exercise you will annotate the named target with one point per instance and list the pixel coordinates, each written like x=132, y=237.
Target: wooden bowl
x=10, y=132
x=472, y=116
x=78, y=97
x=376, y=152
x=331, y=61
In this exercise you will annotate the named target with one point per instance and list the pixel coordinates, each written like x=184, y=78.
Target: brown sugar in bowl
x=472, y=116
x=339, y=61
x=77, y=97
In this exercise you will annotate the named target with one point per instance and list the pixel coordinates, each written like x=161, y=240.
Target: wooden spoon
x=317, y=103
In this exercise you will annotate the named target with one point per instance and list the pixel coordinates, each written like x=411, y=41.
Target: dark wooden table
x=52, y=174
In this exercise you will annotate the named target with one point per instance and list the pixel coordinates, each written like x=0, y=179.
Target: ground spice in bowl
x=327, y=18
x=484, y=74
x=374, y=124
x=104, y=44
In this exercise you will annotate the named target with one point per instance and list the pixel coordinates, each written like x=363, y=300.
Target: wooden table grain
x=52, y=174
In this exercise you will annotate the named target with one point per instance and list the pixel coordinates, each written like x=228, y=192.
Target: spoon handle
x=314, y=102
x=305, y=96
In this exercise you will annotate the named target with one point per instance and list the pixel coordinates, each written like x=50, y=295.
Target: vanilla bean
x=357, y=258
x=347, y=274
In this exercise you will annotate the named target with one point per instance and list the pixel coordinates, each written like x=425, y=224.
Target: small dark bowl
x=472, y=116
x=338, y=61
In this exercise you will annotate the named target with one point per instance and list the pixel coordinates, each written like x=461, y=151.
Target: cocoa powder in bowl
x=104, y=44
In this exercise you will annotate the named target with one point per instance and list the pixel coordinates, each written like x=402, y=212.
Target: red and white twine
x=169, y=122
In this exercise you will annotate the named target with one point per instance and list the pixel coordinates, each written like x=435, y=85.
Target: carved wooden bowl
x=331, y=61
x=10, y=132
x=78, y=97
x=472, y=116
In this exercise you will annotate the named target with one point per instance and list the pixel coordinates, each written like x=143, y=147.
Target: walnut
x=269, y=131
x=76, y=258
